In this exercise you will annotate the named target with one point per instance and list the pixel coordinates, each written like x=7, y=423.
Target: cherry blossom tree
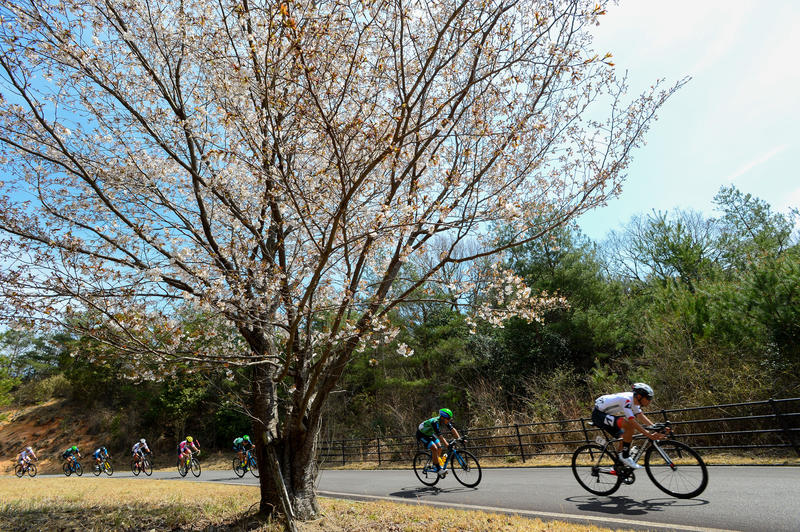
x=276, y=163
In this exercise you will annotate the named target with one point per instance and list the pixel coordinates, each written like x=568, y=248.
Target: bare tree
x=277, y=163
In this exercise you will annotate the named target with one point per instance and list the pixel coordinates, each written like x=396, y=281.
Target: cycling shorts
x=426, y=440
x=611, y=424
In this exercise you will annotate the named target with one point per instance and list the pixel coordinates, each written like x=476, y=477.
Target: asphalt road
x=747, y=498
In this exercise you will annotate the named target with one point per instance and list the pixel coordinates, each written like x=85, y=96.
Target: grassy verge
x=133, y=505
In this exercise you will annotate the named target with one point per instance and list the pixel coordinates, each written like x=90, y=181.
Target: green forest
x=705, y=309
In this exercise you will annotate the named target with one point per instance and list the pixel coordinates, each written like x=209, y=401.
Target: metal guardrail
x=770, y=424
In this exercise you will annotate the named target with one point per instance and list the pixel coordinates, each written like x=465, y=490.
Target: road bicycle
x=72, y=467
x=143, y=465
x=27, y=467
x=674, y=467
x=189, y=464
x=462, y=463
x=103, y=467
x=240, y=466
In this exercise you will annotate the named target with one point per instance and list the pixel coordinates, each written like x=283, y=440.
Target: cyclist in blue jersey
x=101, y=454
x=428, y=434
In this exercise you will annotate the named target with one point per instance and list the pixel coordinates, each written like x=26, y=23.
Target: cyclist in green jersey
x=429, y=432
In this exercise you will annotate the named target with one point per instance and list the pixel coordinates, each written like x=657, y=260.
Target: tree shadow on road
x=627, y=506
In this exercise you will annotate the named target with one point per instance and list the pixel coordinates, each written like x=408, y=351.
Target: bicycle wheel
x=78, y=469
x=466, y=468
x=67, y=469
x=97, y=469
x=19, y=470
x=679, y=471
x=135, y=468
x=593, y=467
x=424, y=469
x=182, y=467
x=238, y=468
x=254, y=466
x=195, y=465
x=147, y=467
x=108, y=468
x=32, y=470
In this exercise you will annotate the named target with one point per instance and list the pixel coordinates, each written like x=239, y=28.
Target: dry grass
x=139, y=505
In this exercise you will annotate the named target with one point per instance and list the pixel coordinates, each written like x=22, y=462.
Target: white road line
x=529, y=513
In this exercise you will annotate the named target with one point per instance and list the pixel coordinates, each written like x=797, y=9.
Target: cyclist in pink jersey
x=186, y=447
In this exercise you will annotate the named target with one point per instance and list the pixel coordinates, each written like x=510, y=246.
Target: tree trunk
x=286, y=463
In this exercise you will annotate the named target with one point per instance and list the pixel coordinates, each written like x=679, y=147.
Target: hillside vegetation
x=705, y=310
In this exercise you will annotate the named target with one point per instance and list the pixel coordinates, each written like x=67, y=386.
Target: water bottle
x=442, y=459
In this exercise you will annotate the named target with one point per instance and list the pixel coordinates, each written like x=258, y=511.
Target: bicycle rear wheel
x=424, y=469
x=593, y=467
x=238, y=468
x=67, y=469
x=97, y=469
x=466, y=468
x=679, y=471
x=182, y=470
x=195, y=465
x=19, y=470
x=135, y=468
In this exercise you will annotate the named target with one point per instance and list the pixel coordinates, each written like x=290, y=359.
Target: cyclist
x=100, y=454
x=428, y=434
x=242, y=444
x=71, y=454
x=621, y=414
x=25, y=456
x=138, y=450
x=186, y=447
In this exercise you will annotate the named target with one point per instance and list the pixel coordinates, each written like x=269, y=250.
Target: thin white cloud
x=758, y=161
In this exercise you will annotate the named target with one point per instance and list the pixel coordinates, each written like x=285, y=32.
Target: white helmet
x=29, y=449
x=142, y=441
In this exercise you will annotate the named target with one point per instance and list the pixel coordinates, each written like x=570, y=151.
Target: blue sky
x=737, y=122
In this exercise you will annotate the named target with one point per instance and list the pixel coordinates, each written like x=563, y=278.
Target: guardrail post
x=519, y=440
x=585, y=432
x=784, y=426
x=342, y=452
x=379, y=450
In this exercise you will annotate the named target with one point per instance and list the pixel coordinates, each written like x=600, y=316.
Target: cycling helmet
x=142, y=441
x=189, y=439
x=643, y=389
x=446, y=413
x=74, y=447
x=246, y=437
x=29, y=449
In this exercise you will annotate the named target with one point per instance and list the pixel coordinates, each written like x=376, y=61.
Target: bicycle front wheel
x=195, y=468
x=238, y=468
x=78, y=470
x=254, y=466
x=466, y=468
x=32, y=470
x=147, y=467
x=424, y=469
x=593, y=467
x=676, y=469
x=109, y=469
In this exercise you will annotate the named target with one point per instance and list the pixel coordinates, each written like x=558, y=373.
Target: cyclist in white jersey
x=138, y=449
x=26, y=455
x=621, y=414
